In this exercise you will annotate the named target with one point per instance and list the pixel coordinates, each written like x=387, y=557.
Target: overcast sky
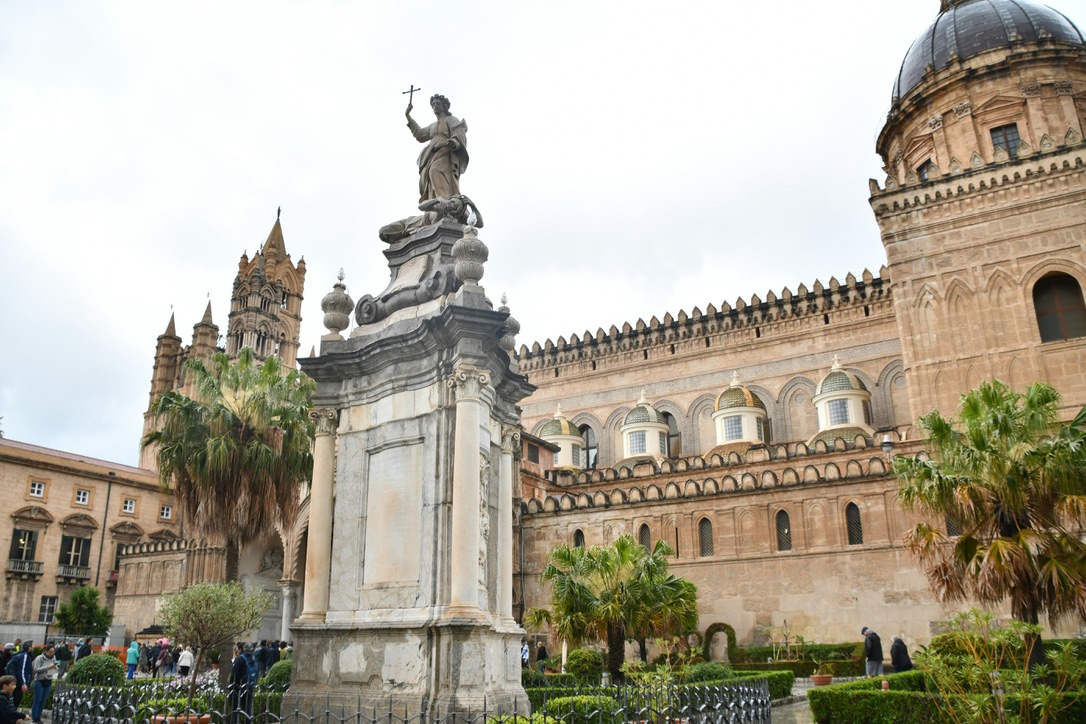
x=630, y=159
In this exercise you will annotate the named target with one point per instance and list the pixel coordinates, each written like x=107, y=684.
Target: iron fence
x=713, y=704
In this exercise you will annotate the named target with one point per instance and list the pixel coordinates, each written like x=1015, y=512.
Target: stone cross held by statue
x=410, y=93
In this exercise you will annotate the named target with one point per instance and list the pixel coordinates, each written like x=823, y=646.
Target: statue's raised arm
x=446, y=154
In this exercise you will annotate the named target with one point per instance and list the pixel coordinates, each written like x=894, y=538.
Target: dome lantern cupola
x=842, y=405
x=739, y=418
x=644, y=432
x=561, y=432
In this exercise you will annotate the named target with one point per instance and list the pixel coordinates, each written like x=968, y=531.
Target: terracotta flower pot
x=182, y=719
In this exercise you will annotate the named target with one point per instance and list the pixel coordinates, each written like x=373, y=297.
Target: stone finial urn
x=337, y=306
x=470, y=254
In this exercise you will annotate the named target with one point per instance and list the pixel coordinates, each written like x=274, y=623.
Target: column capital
x=325, y=418
x=510, y=439
x=467, y=382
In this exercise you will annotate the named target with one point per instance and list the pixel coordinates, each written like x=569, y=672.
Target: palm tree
x=1014, y=486
x=236, y=451
x=614, y=593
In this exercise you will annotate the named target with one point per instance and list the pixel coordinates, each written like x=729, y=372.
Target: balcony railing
x=24, y=568
x=82, y=572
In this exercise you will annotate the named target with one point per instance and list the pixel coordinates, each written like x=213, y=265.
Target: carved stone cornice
x=326, y=419
x=466, y=383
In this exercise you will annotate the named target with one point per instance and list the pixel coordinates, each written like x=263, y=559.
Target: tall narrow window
x=1061, y=313
x=705, y=538
x=48, y=609
x=855, y=526
x=591, y=449
x=1006, y=137
x=784, y=531
x=578, y=538
x=24, y=544
x=644, y=537
x=674, y=447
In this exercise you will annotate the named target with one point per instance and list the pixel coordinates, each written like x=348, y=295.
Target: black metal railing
x=136, y=704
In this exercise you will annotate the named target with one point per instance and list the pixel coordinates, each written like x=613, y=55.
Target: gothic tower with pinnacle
x=266, y=302
x=265, y=314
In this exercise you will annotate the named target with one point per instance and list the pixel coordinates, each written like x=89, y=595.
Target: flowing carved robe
x=440, y=168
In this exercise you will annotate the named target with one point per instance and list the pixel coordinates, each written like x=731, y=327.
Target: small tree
x=82, y=616
x=209, y=614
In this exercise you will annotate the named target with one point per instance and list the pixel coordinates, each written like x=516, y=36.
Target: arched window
x=674, y=437
x=784, y=531
x=591, y=449
x=644, y=537
x=1061, y=314
x=855, y=527
x=705, y=538
x=578, y=538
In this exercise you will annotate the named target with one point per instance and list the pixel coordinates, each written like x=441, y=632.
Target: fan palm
x=236, y=451
x=1013, y=485
x=613, y=593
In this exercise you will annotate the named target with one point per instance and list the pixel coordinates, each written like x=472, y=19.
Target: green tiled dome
x=738, y=396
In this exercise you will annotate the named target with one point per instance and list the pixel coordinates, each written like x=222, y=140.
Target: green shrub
x=101, y=669
x=584, y=709
x=278, y=676
x=585, y=665
x=707, y=671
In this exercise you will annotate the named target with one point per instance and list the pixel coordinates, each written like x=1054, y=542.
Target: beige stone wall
x=58, y=511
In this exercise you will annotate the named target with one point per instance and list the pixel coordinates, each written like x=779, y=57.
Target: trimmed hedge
x=584, y=710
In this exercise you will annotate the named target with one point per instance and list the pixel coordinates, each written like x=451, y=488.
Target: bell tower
x=266, y=302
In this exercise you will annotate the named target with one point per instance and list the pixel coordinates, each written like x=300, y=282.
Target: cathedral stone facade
x=773, y=420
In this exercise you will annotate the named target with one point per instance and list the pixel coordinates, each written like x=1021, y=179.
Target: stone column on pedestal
x=510, y=442
x=319, y=544
x=287, y=608
x=466, y=384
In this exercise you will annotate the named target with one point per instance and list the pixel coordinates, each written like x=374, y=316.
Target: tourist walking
x=872, y=652
x=45, y=673
x=20, y=668
x=132, y=658
x=8, y=712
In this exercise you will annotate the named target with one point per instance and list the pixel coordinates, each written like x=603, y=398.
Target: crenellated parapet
x=763, y=468
x=748, y=319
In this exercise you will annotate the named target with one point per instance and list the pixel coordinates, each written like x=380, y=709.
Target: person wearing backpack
x=243, y=676
x=21, y=668
x=64, y=657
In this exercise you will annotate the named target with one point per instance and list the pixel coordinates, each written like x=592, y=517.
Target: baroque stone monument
x=409, y=573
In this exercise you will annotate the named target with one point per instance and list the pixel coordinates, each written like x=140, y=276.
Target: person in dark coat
x=241, y=694
x=899, y=656
x=8, y=712
x=872, y=652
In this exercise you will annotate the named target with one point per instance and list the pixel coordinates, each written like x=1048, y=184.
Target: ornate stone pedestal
x=417, y=554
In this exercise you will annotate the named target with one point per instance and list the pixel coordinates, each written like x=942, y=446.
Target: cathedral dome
x=644, y=412
x=738, y=396
x=558, y=425
x=965, y=28
x=839, y=379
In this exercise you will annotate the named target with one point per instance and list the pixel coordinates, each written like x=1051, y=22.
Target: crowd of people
x=24, y=673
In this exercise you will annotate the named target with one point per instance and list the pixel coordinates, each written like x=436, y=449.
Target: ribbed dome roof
x=559, y=425
x=965, y=28
x=737, y=396
x=644, y=412
x=838, y=379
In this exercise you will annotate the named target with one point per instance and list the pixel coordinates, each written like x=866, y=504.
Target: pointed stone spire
x=275, y=244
